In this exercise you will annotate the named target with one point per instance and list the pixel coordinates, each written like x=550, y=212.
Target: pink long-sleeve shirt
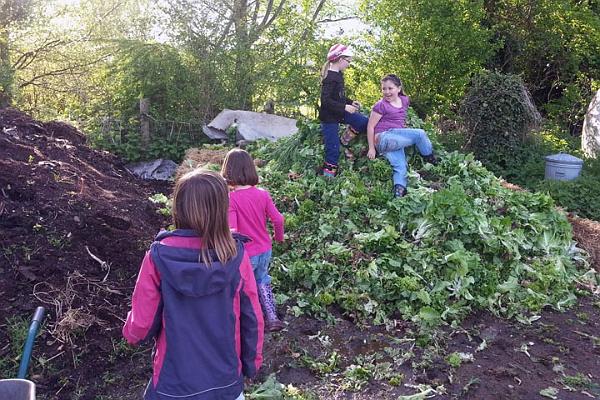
x=249, y=210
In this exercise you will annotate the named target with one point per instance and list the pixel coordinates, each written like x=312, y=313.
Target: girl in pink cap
x=335, y=107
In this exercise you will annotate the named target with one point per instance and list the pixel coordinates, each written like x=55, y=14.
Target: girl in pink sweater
x=249, y=209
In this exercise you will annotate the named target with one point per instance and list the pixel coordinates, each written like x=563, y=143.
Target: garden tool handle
x=36, y=321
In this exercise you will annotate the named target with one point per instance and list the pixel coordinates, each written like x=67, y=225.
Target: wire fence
x=118, y=131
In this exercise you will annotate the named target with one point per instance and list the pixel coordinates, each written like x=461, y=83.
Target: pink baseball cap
x=339, y=50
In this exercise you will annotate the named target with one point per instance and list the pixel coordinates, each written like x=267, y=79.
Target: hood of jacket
x=181, y=268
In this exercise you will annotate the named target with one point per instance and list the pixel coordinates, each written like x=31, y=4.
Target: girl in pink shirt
x=249, y=209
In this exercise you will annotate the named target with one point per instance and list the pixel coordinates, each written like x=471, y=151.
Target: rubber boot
x=349, y=134
x=267, y=301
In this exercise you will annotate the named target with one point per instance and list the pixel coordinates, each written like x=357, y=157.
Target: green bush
x=497, y=114
x=580, y=196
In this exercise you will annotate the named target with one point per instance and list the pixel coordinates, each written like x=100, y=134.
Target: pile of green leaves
x=457, y=242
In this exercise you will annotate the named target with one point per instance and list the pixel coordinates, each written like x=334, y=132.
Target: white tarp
x=252, y=125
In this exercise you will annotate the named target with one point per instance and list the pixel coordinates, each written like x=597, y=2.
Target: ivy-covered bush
x=497, y=114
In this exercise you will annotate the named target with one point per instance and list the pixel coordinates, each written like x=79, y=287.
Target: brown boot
x=349, y=134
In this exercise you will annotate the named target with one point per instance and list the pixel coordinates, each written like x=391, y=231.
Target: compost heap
x=74, y=227
x=459, y=241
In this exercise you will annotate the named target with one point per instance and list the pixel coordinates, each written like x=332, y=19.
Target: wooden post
x=145, y=122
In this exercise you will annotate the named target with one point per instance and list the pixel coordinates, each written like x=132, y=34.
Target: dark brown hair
x=201, y=203
x=395, y=80
x=238, y=168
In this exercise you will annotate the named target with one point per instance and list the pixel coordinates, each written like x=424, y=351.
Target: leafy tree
x=246, y=43
x=154, y=71
x=555, y=46
x=434, y=46
x=56, y=53
x=11, y=12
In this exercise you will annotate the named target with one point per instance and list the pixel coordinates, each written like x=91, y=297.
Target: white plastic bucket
x=17, y=389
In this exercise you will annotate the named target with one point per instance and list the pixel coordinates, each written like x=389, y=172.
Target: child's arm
x=373, y=120
x=251, y=321
x=145, y=318
x=232, y=215
x=327, y=98
x=276, y=219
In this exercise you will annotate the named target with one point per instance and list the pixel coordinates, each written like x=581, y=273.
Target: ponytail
x=324, y=70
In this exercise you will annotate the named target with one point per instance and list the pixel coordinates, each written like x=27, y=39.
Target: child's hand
x=351, y=108
x=371, y=154
x=356, y=104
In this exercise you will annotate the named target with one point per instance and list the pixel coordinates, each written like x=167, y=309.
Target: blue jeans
x=392, y=143
x=260, y=266
x=240, y=397
x=331, y=134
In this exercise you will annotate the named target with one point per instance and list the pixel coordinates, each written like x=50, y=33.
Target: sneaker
x=328, y=173
x=399, y=191
x=329, y=170
x=349, y=134
x=431, y=159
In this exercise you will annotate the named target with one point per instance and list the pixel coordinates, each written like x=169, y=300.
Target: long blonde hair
x=324, y=70
x=201, y=203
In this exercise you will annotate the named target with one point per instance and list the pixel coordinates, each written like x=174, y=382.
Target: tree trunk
x=243, y=56
x=145, y=122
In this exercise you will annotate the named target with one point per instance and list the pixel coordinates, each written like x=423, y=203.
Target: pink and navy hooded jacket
x=206, y=320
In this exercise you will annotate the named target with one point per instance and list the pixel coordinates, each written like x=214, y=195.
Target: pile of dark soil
x=74, y=226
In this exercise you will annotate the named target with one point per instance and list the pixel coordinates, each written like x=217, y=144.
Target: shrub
x=498, y=115
x=581, y=196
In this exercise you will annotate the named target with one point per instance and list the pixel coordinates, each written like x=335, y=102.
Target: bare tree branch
x=326, y=20
x=267, y=12
x=29, y=57
x=69, y=70
x=313, y=19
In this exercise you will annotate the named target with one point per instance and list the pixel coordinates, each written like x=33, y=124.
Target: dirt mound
x=201, y=157
x=74, y=226
x=587, y=234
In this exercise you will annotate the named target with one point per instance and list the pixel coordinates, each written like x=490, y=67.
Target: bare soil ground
x=74, y=225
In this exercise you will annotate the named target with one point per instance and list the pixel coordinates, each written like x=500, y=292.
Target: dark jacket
x=206, y=320
x=333, y=98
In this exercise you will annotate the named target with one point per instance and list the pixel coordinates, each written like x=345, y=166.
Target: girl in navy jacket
x=196, y=297
x=336, y=108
